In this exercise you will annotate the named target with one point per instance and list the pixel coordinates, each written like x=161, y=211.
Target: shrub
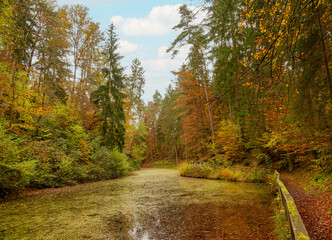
x=226, y=173
x=215, y=174
x=17, y=167
x=10, y=179
x=109, y=164
x=257, y=176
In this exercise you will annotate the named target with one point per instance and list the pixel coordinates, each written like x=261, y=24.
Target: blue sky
x=145, y=31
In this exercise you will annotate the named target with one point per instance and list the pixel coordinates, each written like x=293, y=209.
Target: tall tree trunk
x=325, y=55
x=204, y=75
x=11, y=110
x=152, y=154
x=230, y=109
x=75, y=70
x=176, y=154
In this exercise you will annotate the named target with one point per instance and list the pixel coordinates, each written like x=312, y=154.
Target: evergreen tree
x=135, y=84
x=109, y=96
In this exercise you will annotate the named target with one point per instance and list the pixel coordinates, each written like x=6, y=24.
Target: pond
x=150, y=204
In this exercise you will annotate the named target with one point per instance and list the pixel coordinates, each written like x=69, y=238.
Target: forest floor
x=314, y=204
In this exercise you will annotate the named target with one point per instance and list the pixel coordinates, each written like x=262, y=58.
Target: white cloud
x=159, y=71
x=164, y=62
x=162, y=52
x=127, y=47
x=160, y=21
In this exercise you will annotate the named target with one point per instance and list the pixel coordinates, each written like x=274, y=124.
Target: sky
x=144, y=28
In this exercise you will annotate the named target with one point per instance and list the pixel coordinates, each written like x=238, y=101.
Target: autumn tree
x=195, y=122
x=152, y=115
x=193, y=35
x=170, y=124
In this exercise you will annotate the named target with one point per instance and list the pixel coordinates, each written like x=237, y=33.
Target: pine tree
x=135, y=84
x=109, y=96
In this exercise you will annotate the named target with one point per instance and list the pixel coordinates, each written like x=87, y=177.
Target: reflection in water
x=152, y=204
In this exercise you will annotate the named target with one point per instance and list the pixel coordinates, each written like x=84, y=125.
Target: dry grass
x=222, y=173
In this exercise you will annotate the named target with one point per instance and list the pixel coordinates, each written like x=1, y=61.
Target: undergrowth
x=163, y=164
x=281, y=227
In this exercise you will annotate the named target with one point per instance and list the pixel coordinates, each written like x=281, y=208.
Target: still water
x=151, y=204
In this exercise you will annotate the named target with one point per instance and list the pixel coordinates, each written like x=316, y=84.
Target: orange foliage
x=195, y=120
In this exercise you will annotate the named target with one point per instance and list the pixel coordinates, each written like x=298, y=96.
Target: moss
x=282, y=186
x=292, y=208
x=301, y=236
x=330, y=210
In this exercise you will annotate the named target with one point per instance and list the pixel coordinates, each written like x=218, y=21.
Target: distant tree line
x=256, y=87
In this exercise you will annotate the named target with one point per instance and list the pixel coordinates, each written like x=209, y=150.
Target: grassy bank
x=223, y=173
x=163, y=164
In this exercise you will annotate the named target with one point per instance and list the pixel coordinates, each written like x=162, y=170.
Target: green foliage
x=324, y=156
x=16, y=164
x=66, y=155
x=135, y=83
x=320, y=180
x=10, y=179
x=281, y=226
x=109, y=164
x=62, y=117
x=139, y=149
x=330, y=210
x=110, y=97
x=263, y=157
x=48, y=123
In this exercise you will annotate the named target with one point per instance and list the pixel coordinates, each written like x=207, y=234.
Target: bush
x=109, y=164
x=62, y=154
x=257, y=176
x=17, y=167
x=10, y=179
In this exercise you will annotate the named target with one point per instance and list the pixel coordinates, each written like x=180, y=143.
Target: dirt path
x=313, y=207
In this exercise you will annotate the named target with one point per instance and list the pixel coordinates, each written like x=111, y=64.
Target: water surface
x=151, y=204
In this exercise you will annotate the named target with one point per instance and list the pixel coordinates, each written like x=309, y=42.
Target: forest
x=256, y=89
